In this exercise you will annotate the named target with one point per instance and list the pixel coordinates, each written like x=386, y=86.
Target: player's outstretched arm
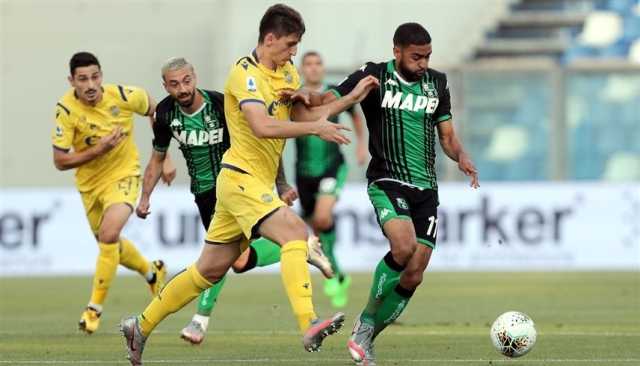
x=152, y=174
x=452, y=146
x=264, y=126
x=362, y=151
x=287, y=193
x=65, y=160
x=331, y=105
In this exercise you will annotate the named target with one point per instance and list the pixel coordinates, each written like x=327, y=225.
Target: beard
x=186, y=103
x=408, y=74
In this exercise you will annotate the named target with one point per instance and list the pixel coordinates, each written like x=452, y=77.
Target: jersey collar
x=391, y=68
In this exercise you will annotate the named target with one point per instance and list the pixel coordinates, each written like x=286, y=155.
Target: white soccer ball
x=513, y=334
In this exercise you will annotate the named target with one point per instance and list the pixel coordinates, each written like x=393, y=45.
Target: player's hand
x=362, y=154
x=466, y=166
x=363, y=88
x=330, y=131
x=111, y=140
x=293, y=96
x=142, y=211
x=168, y=171
x=288, y=194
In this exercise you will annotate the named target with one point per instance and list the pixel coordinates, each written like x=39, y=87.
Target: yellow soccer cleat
x=159, y=270
x=89, y=320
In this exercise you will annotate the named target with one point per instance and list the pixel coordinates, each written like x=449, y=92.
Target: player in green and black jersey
x=195, y=119
x=403, y=113
x=321, y=172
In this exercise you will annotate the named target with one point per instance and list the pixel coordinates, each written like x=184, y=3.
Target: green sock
x=328, y=241
x=208, y=298
x=392, y=306
x=385, y=278
x=267, y=252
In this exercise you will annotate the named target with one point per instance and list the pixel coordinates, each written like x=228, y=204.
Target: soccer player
x=321, y=172
x=195, y=118
x=403, y=113
x=94, y=133
x=259, y=93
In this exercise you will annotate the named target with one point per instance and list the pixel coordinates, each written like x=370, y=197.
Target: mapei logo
x=199, y=137
x=409, y=102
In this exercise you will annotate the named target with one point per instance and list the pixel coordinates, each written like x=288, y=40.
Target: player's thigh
x=248, y=200
x=118, y=200
x=323, y=211
x=424, y=214
x=216, y=258
x=283, y=226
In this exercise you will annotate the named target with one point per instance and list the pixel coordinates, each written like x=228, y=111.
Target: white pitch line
x=323, y=360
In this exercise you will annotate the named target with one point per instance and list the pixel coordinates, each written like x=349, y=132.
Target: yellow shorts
x=99, y=199
x=243, y=201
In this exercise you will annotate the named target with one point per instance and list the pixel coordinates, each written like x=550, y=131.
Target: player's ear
x=397, y=52
x=70, y=78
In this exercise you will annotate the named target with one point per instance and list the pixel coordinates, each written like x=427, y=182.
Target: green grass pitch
x=582, y=319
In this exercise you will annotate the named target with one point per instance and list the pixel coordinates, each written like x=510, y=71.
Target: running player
x=320, y=175
x=195, y=118
x=94, y=133
x=258, y=97
x=412, y=101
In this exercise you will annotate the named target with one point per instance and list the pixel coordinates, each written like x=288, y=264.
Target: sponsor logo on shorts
x=402, y=203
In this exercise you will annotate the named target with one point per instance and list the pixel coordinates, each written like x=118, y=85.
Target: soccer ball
x=513, y=334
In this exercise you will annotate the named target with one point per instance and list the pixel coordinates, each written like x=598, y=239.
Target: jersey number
x=433, y=226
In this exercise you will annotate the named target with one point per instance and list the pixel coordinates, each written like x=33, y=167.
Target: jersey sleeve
x=136, y=99
x=443, y=111
x=243, y=86
x=161, y=130
x=348, y=84
x=63, y=130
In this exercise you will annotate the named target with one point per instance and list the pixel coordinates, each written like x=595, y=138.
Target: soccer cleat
x=134, y=340
x=341, y=296
x=331, y=286
x=360, y=344
x=89, y=320
x=193, y=333
x=316, y=257
x=313, y=337
x=159, y=271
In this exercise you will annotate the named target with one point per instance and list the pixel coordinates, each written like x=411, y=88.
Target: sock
x=131, y=258
x=392, y=306
x=385, y=278
x=203, y=320
x=106, y=266
x=207, y=300
x=328, y=241
x=267, y=252
x=297, y=281
x=178, y=292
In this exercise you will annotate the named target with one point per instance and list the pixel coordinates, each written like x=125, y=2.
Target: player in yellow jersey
x=259, y=94
x=93, y=133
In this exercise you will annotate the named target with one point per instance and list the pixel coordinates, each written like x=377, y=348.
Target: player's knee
x=403, y=250
x=296, y=229
x=108, y=235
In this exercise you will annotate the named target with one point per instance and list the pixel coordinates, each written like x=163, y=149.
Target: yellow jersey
x=79, y=127
x=251, y=82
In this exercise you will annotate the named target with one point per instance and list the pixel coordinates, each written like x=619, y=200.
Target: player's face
x=282, y=49
x=413, y=60
x=312, y=69
x=181, y=85
x=87, y=82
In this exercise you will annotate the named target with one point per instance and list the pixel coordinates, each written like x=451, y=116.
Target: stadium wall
x=501, y=227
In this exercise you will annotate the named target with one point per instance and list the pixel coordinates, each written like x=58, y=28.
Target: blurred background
x=545, y=94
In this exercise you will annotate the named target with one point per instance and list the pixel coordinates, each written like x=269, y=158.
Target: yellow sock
x=131, y=258
x=106, y=266
x=178, y=292
x=297, y=281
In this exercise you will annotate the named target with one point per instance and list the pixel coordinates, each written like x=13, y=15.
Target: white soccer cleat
x=193, y=333
x=360, y=344
x=316, y=257
x=134, y=340
x=313, y=337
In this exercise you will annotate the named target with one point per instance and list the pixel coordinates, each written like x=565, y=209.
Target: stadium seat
x=601, y=29
x=622, y=166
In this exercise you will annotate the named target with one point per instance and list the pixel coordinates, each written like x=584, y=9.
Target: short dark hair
x=281, y=20
x=82, y=59
x=411, y=33
x=310, y=54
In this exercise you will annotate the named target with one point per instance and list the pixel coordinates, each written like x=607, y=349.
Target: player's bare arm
x=452, y=146
x=168, y=167
x=152, y=174
x=362, y=151
x=264, y=126
x=65, y=160
x=287, y=193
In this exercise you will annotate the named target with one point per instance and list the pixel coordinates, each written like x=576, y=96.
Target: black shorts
x=206, y=202
x=394, y=200
x=330, y=183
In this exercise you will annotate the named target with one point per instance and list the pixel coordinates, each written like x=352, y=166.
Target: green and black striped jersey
x=315, y=156
x=401, y=118
x=203, y=136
